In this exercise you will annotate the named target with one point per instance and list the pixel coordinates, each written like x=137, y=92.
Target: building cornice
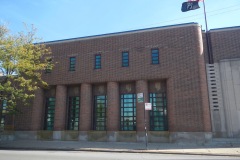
x=225, y=29
x=122, y=33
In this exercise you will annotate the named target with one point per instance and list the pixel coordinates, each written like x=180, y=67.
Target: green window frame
x=158, y=114
x=128, y=112
x=100, y=107
x=72, y=63
x=49, y=113
x=155, y=56
x=98, y=61
x=125, y=59
x=73, y=113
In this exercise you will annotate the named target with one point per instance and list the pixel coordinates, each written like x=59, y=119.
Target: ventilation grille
x=214, y=87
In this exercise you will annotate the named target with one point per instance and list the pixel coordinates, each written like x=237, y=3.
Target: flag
x=191, y=5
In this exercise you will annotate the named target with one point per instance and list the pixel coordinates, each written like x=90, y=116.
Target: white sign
x=140, y=97
x=148, y=106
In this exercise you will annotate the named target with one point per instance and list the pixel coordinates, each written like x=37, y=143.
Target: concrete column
x=86, y=107
x=113, y=108
x=37, y=110
x=142, y=87
x=231, y=90
x=60, y=108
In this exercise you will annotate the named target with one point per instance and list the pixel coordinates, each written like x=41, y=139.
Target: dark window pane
x=100, y=104
x=72, y=63
x=73, y=113
x=125, y=59
x=97, y=61
x=155, y=56
x=49, y=113
x=158, y=114
x=128, y=112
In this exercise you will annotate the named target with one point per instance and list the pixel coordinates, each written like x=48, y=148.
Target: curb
x=119, y=151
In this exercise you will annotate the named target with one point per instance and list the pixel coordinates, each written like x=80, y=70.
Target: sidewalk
x=215, y=148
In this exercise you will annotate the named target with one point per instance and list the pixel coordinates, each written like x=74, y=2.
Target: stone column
x=86, y=108
x=60, y=111
x=113, y=110
x=142, y=87
x=37, y=110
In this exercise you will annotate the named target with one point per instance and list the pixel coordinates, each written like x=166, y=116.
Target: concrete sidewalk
x=215, y=148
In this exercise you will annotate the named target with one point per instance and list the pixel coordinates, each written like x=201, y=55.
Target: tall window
x=73, y=113
x=158, y=114
x=128, y=112
x=125, y=59
x=72, y=63
x=49, y=113
x=100, y=104
x=155, y=56
x=3, y=109
x=98, y=61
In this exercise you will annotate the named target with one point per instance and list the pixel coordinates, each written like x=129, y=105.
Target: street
x=80, y=155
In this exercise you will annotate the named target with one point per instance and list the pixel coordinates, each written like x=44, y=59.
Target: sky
x=65, y=19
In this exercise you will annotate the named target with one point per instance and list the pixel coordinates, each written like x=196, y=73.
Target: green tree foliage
x=22, y=62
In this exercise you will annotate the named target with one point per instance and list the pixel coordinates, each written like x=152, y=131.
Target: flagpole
x=209, y=45
x=205, y=15
x=192, y=5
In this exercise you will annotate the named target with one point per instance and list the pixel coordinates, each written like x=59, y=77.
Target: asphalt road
x=79, y=155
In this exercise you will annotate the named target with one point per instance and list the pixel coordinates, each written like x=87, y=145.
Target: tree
x=22, y=62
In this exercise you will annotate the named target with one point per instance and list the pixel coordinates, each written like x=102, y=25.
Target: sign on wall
x=148, y=106
x=140, y=97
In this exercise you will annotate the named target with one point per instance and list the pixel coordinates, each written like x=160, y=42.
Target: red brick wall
x=113, y=107
x=225, y=43
x=181, y=64
x=142, y=87
x=86, y=108
x=23, y=118
x=204, y=87
x=38, y=111
x=60, y=108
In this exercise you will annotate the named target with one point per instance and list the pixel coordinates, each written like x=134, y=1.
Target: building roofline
x=120, y=33
x=225, y=29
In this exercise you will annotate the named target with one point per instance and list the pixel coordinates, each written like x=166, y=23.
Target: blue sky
x=64, y=19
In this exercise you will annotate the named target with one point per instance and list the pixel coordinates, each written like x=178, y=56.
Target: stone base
x=45, y=135
x=126, y=136
x=112, y=136
x=158, y=137
x=71, y=135
x=26, y=135
x=97, y=136
x=7, y=136
x=190, y=137
x=220, y=135
x=83, y=136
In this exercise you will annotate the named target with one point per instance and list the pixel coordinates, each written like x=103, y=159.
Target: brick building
x=224, y=82
x=97, y=80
